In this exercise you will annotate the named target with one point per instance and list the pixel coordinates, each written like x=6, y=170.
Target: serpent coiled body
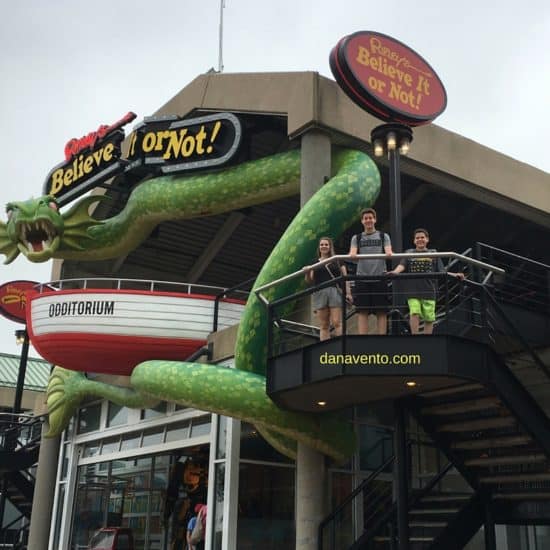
x=238, y=392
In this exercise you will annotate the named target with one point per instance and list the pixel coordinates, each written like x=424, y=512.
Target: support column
x=315, y=171
x=44, y=490
x=310, y=465
x=315, y=163
x=310, y=496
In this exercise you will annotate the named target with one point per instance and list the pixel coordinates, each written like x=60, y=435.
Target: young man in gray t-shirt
x=371, y=296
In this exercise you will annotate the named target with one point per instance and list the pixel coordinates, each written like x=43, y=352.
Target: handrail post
x=344, y=317
x=483, y=305
x=216, y=312
x=269, y=331
x=477, y=255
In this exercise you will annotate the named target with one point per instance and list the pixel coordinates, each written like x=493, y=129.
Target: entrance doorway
x=151, y=496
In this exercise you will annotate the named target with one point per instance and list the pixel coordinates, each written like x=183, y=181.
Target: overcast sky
x=67, y=67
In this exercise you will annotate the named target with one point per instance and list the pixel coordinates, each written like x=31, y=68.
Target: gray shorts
x=327, y=297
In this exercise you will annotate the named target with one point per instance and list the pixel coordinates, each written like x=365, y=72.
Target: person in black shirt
x=327, y=302
x=421, y=292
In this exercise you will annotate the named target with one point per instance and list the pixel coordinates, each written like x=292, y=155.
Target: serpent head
x=37, y=229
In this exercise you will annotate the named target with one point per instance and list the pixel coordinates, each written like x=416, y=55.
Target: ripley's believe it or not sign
x=159, y=145
x=387, y=78
x=13, y=299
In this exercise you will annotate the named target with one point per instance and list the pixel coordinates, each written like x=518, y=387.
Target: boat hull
x=112, y=331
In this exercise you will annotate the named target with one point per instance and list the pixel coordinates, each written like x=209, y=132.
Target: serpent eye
x=53, y=206
x=9, y=213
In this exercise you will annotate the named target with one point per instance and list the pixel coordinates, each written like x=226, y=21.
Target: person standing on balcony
x=371, y=296
x=327, y=302
x=421, y=292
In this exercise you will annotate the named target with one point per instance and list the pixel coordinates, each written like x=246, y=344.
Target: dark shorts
x=371, y=295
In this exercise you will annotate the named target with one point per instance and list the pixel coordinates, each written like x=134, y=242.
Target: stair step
x=535, y=495
x=430, y=524
x=505, y=460
x=436, y=511
x=516, y=478
x=453, y=390
x=446, y=498
x=482, y=424
x=411, y=539
x=492, y=442
x=463, y=406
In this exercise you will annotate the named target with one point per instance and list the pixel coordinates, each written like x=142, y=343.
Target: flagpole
x=220, y=53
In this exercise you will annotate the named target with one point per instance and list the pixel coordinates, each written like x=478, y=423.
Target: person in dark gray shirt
x=371, y=296
x=421, y=292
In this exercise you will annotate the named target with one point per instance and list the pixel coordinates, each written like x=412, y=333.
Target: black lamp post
x=393, y=139
x=22, y=338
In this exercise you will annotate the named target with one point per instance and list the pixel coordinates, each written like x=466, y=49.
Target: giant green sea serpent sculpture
x=37, y=230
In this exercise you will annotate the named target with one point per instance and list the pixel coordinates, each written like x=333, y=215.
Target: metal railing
x=370, y=511
x=289, y=316
x=19, y=431
x=236, y=292
x=337, y=531
x=459, y=312
x=489, y=269
x=107, y=283
x=15, y=534
x=527, y=282
x=228, y=292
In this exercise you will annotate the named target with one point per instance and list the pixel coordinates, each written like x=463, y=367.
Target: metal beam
x=216, y=244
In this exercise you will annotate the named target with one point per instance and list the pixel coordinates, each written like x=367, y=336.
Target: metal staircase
x=19, y=449
x=494, y=430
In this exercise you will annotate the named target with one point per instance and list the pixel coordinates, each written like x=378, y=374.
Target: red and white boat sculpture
x=112, y=330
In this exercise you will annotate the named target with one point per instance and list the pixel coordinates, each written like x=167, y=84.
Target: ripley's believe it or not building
x=360, y=441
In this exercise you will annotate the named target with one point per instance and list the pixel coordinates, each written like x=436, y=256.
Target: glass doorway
x=150, y=497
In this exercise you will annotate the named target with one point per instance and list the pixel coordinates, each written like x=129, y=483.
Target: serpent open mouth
x=36, y=236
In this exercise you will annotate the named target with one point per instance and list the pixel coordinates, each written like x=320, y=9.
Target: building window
x=375, y=446
x=200, y=426
x=88, y=418
x=178, y=431
x=117, y=415
x=154, y=412
x=266, y=507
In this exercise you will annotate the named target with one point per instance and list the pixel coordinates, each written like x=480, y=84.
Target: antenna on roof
x=220, y=54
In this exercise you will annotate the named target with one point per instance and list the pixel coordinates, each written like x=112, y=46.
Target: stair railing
x=328, y=528
x=387, y=518
x=18, y=431
x=15, y=534
x=517, y=333
x=237, y=289
x=527, y=282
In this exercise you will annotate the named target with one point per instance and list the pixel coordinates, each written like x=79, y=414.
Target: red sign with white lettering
x=13, y=300
x=388, y=79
